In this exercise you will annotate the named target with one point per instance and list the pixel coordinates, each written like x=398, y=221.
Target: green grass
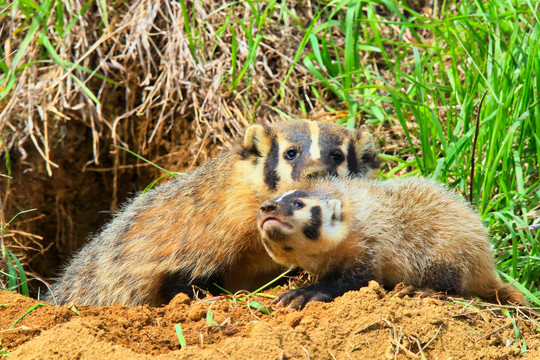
x=14, y=277
x=32, y=308
x=44, y=25
x=15, y=274
x=480, y=62
x=180, y=335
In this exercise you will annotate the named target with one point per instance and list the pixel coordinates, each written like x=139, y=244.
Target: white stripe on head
x=287, y=193
x=314, y=149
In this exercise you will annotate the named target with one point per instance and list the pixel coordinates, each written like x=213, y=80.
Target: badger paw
x=298, y=298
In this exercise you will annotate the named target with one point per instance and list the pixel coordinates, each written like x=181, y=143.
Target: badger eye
x=337, y=156
x=291, y=154
x=298, y=204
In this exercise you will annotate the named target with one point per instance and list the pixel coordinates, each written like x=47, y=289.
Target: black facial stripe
x=329, y=140
x=369, y=161
x=329, y=143
x=287, y=249
x=299, y=138
x=287, y=209
x=271, y=177
x=299, y=164
x=352, y=162
x=285, y=204
x=313, y=229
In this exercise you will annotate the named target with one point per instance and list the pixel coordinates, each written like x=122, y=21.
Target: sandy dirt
x=366, y=324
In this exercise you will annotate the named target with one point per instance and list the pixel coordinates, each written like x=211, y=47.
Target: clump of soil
x=366, y=324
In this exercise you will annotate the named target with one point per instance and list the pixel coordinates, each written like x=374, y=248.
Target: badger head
x=299, y=227
x=290, y=151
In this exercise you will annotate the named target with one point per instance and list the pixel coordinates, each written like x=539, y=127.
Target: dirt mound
x=365, y=324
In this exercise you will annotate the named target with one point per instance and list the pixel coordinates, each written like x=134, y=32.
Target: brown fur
x=414, y=231
x=200, y=228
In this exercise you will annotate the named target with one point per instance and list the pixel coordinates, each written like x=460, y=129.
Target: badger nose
x=315, y=173
x=269, y=206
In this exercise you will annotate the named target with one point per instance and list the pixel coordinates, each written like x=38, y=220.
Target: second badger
x=350, y=231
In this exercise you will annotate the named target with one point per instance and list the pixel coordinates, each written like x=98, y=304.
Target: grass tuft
x=15, y=275
x=441, y=74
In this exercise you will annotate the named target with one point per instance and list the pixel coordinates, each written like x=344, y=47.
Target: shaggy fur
x=200, y=229
x=413, y=230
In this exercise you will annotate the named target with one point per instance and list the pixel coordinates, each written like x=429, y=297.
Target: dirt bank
x=365, y=324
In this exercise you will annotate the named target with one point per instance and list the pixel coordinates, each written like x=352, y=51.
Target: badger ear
x=336, y=205
x=257, y=140
x=333, y=206
x=365, y=153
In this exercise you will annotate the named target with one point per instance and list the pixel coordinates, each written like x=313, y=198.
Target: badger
x=351, y=231
x=200, y=229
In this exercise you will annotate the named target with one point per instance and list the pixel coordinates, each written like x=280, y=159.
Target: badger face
x=294, y=150
x=299, y=226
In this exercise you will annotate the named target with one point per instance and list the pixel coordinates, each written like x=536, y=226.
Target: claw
x=298, y=298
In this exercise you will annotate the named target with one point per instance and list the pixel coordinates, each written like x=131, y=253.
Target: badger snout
x=272, y=221
x=269, y=206
x=315, y=172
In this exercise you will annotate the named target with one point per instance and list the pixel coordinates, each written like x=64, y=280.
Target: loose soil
x=366, y=324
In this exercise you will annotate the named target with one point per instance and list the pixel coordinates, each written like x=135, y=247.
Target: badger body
x=200, y=228
x=351, y=231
